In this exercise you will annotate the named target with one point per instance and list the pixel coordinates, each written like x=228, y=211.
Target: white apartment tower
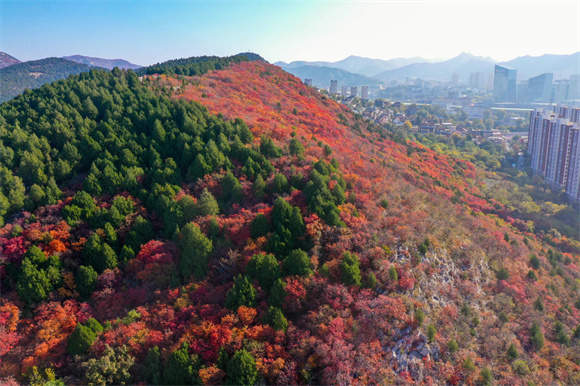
x=364, y=92
x=554, y=147
x=333, y=86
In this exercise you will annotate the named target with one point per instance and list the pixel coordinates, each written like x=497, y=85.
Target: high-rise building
x=522, y=92
x=333, y=86
x=504, y=84
x=364, y=92
x=554, y=147
x=540, y=88
x=574, y=89
x=560, y=90
x=455, y=78
x=477, y=80
x=344, y=91
x=308, y=82
x=353, y=91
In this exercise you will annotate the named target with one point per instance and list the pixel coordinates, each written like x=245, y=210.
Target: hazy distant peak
x=103, y=63
x=7, y=60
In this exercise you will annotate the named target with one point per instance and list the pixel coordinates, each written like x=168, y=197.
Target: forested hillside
x=197, y=65
x=18, y=77
x=237, y=227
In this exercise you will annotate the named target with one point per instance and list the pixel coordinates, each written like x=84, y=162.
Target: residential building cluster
x=344, y=90
x=385, y=113
x=554, y=147
x=540, y=88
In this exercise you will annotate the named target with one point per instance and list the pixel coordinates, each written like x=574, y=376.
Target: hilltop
x=103, y=63
x=7, y=60
x=216, y=221
x=29, y=75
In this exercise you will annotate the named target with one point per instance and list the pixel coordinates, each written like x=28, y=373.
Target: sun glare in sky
x=149, y=31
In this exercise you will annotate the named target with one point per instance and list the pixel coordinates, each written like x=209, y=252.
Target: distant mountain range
x=401, y=68
x=561, y=65
x=321, y=76
x=462, y=65
x=357, y=64
x=18, y=77
x=103, y=63
x=7, y=60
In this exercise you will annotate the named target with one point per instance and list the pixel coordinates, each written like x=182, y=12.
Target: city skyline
x=153, y=31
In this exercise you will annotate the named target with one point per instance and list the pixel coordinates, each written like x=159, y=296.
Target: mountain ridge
x=321, y=76
x=7, y=60
x=562, y=65
x=102, y=63
x=462, y=65
x=35, y=73
x=360, y=65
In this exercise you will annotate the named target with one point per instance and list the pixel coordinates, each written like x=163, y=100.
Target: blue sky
x=148, y=31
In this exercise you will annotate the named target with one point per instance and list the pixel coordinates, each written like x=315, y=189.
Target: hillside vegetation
x=30, y=75
x=237, y=227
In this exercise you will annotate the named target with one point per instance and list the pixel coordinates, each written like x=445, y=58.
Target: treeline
x=196, y=65
x=108, y=125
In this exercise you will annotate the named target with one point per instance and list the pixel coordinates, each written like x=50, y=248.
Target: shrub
x=207, y=204
x=279, y=184
x=181, y=368
x=560, y=333
x=431, y=331
x=468, y=365
x=152, y=367
x=520, y=367
x=231, y=190
x=81, y=340
x=260, y=226
x=512, y=352
x=536, y=337
x=485, y=377
x=264, y=269
x=452, y=346
x=419, y=316
x=350, y=269
x=297, y=263
x=296, y=148
x=539, y=304
x=241, y=294
x=268, y=148
x=534, y=262
x=241, y=369
x=371, y=281
x=195, y=250
x=277, y=293
x=276, y=319
x=86, y=280
x=393, y=275
x=502, y=274
x=94, y=325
